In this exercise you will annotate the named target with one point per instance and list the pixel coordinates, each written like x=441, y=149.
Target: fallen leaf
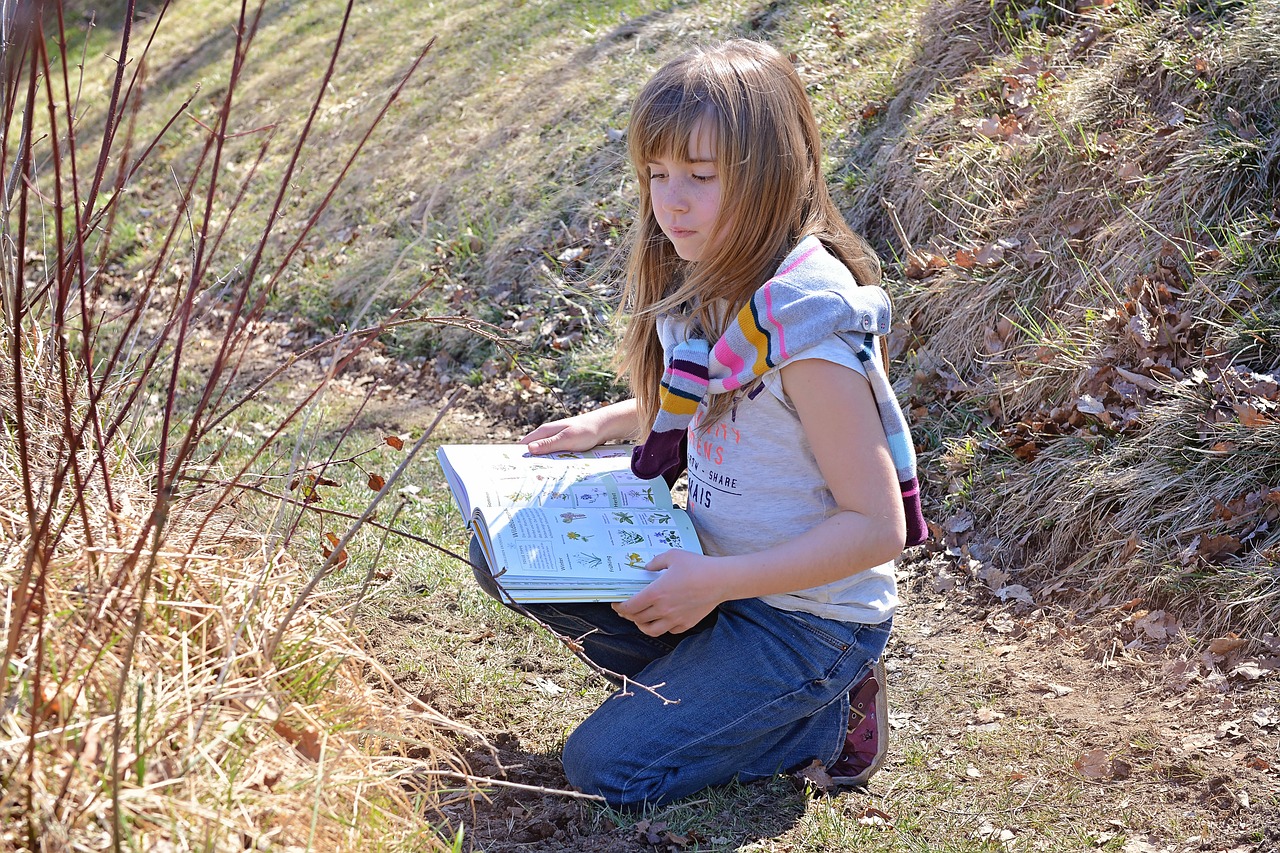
x=1090, y=406
x=1128, y=171
x=817, y=775
x=1255, y=668
x=872, y=816
x=1251, y=417
x=341, y=561
x=1049, y=689
x=1093, y=764
x=306, y=740
x=1226, y=645
x=990, y=128
x=1157, y=625
x=1017, y=592
x=547, y=686
x=923, y=264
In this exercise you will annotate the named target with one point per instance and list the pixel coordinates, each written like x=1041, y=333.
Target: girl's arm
x=614, y=422
x=840, y=420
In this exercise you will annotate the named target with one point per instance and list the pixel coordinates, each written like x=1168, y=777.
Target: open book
x=566, y=526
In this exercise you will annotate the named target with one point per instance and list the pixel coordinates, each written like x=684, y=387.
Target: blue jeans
x=749, y=692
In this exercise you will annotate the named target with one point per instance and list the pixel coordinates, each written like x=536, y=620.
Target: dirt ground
x=1168, y=748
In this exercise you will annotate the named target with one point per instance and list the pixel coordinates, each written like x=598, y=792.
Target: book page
x=508, y=475
x=587, y=554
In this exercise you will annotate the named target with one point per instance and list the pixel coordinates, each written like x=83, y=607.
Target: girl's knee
x=597, y=762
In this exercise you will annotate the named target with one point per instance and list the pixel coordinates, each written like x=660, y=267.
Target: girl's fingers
x=543, y=432
x=659, y=562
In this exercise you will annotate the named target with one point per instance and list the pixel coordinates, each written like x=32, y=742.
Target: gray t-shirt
x=754, y=483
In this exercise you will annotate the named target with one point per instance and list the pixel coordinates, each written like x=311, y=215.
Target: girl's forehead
x=688, y=142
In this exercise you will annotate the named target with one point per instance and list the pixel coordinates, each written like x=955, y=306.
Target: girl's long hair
x=772, y=194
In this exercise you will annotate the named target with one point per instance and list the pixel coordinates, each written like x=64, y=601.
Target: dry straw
x=165, y=683
x=1087, y=210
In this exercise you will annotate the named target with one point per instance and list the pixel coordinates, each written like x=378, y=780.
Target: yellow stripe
x=758, y=340
x=677, y=405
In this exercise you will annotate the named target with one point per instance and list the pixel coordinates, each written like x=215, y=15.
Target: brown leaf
x=1093, y=764
x=923, y=264
x=671, y=838
x=1032, y=254
x=990, y=128
x=817, y=775
x=872, y=816
x=376, y=483
x=1255, y=668
x=341, y=561
x=1157, y=625
x=305, y=740
x=965, y=259
x=1089, y=406
x=1076, y=228
x=1216, y=547
x=1251, y=417
x=1128, y=171
x=395, y=441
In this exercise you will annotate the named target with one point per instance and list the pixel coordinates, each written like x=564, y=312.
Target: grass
x=495, y=166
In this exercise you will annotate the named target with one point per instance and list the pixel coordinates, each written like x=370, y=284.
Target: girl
x=751, y=341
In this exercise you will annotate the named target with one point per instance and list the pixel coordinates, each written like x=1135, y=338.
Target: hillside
x=409, y=225
x=1079, y=207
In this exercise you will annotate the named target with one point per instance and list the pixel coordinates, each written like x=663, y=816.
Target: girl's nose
x=675, y=198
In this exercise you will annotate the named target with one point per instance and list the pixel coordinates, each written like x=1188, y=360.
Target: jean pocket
x=831, y=652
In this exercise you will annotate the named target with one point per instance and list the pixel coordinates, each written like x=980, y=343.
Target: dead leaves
x=817, y=776
x=1098, y=765
x=659, y=835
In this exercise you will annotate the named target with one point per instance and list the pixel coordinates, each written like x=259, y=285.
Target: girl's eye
x=655, y=176
x=704, y=178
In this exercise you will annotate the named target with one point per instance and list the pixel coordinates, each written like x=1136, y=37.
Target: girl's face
x=685, y=193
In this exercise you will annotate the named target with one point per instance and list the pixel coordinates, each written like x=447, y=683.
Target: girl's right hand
x=577, y=433
x=614, y=422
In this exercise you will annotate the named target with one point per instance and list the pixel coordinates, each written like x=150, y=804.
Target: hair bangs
x=663, y=124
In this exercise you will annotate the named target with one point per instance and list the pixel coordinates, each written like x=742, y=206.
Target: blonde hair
x=772, y=194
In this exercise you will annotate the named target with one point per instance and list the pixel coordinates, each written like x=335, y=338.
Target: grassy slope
x=1137, y=154
x=498, y=159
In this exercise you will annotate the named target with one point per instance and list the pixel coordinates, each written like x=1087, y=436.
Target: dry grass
x=165, y=681
x=1128, y=158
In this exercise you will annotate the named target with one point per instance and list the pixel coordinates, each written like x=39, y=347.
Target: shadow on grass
x=512, y=819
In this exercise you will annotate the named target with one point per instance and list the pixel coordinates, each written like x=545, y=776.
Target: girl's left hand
x=689, y=588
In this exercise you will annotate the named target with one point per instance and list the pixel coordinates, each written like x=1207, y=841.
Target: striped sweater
x=812, y=296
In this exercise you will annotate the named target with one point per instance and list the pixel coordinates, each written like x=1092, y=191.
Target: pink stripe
x=911, y=493
x=768, y=300
x=773, y=321
x=730, y=359
x=800, y=260
x=687, y=375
